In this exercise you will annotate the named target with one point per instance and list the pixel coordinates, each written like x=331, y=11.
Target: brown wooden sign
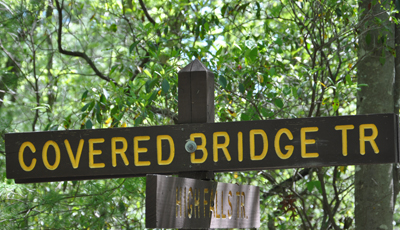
x=174, y=202
x=234, y=146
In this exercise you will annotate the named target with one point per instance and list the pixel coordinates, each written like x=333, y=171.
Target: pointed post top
x=195, y=66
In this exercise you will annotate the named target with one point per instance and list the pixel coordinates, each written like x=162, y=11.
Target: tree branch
x=165, y=112
x=10, y=56
x=146, y=12
x=141, y=65
x=75, y=53
x=327, y=207
x=279, y=188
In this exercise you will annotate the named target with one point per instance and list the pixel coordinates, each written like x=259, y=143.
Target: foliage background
x=106, y=63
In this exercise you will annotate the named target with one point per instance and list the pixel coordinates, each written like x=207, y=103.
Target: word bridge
x=197, y=147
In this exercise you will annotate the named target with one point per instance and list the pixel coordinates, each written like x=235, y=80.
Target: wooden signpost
x=218, y=147
x=235, y=146
x=174, y=202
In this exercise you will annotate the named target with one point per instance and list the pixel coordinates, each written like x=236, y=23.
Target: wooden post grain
x=196, y=103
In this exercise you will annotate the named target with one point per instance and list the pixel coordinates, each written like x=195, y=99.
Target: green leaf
x=252, y=54
x=222, y=81
x=382, y=60
x=272, y=72
x=113, y=69
x=98, y=114
x=166, y=30
x=368, y=39
x=317, y=184
x=219, y=51
x=266, y=112
x=67, y=121
x=121, y=207
x=335, y=104
x=113, y=28
x=244, y=117
x=47, y=127
x=103, y=99
x=91, y=106
x=165, y=85
x=258, y=13
x=97, y=107
x=88, y=124
x=112, y=85
x=84, y=95
x=133, y=46
x=223, y=9
x=278, y=102
x=286, y=90
x=237, y=46
x=152, y=97
x=150, y=84
x=300, y=92
x=140, y=119
x=241, y=88
x=84, y=108
x=310, y=186
x=348, y=79
x=338, y=12
x=147, y=72
x=362, y=85
x=279, y=42
x=206, y=27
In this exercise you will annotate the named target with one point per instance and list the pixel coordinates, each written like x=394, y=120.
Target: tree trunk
x=374, y=183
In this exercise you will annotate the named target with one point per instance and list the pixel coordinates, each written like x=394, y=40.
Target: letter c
x=21, y=156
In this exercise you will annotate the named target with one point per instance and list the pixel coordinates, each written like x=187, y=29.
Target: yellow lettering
x=305, y=142
x=243, y=210
x=222, y=205
x=74, y=160
x=230, y=205
x=253, y=156
x=21, y=156
x=137, y=150
x=159, y=149
x=93, y=152
x=212, y=210
x=216, y=204
x=371, y=138
x=289, y=148
x=344, y=129
x=205, y=201
x=240, y=146
x=238, y=200
x=201, y=147
x=115, y=151
x=184, y=199
x=189, y=205
x=222, y=146
x=44, y=155
x=197, y=203
x=178, y=201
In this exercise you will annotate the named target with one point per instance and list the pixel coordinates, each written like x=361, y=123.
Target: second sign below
x=173, y=202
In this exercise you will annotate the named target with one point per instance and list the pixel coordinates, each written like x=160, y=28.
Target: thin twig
x=327, y=207
x=75, y=53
